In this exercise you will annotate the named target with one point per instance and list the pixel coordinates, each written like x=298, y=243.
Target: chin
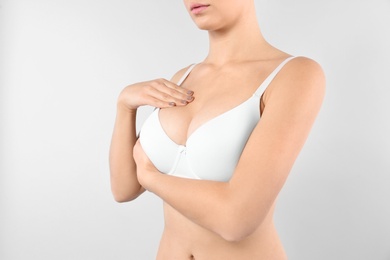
x=207, y=24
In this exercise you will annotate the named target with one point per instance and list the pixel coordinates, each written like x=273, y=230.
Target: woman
x=205, y=151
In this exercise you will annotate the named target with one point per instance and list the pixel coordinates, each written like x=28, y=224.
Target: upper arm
x=291, y=107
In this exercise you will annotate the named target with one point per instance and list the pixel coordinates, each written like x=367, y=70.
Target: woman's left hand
x=145, y=168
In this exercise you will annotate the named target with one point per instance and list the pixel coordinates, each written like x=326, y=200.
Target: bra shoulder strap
x=271, y=76
x=186, y=74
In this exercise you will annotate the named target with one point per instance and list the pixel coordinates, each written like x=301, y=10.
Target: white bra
x=211, y=152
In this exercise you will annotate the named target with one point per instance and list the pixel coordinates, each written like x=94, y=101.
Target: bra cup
x=212, y=151
x=157, y=146
x=215, y=149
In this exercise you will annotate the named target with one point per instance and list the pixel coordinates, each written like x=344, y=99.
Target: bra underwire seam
x=190, y=169
x=180, y=150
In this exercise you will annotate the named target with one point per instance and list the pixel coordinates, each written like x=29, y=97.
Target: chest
x=213, y=97
x=211, y=152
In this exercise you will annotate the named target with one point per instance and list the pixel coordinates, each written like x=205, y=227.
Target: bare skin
x=221, y=220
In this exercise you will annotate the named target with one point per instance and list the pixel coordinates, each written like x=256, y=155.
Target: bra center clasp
x=182, y=148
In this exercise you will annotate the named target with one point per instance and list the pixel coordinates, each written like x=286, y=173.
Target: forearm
x=124, y=183
x=158, y=93
x=207, y=203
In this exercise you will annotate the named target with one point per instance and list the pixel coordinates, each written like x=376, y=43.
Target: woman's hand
x=145, y=168
x=123, y=169
x=158, y=93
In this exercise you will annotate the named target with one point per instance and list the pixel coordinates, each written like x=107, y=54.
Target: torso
x=216, y=91
x=183, y=239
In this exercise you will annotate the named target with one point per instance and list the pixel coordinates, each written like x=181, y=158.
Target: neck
x=241, y=42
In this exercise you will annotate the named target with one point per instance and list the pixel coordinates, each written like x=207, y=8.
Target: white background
x=63, y=63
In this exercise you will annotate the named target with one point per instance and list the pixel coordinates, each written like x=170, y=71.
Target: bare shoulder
x=177, y=76
x=305, y=73
x=300, y=78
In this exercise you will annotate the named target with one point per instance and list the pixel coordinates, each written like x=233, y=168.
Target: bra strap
x=271, y=76
x=186, y=74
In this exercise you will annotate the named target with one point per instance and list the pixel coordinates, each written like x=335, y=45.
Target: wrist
x=123, y=108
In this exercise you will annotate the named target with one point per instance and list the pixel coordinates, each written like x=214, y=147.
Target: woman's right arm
x=158, y=93
x=123, y=177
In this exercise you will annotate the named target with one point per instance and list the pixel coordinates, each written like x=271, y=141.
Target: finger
x=175, y=90
x=162, y=104
x=177, y=87
x=169, y=98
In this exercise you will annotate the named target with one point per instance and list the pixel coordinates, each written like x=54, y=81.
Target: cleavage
x=174, y=120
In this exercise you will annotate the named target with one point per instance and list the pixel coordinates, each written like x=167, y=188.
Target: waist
x=182, y=235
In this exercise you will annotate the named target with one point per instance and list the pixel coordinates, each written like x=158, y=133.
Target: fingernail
x=172, y=104
x=189, y=92
x=190, y=98
x=184, y=102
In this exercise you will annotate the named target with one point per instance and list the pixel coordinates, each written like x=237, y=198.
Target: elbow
x=240, y=225
x=122, y=196
x=237, y=233
x=124, y=190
